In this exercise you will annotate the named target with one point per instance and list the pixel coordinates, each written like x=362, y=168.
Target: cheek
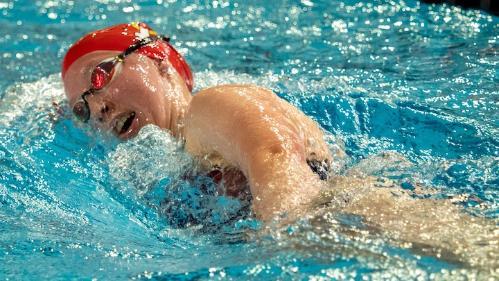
x=136, y=96
x=138, y=91
x=143, y=77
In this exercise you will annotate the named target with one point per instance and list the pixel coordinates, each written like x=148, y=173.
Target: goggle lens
x=81, y=111
x=102, y=74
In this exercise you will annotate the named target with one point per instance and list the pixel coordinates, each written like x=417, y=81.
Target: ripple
x=409, y=90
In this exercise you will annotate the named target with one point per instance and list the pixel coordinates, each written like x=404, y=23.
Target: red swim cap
x=122, y=36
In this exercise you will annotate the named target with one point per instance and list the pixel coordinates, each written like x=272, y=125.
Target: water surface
x=413, y=79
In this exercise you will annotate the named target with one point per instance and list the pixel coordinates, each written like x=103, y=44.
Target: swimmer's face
x=142, y=91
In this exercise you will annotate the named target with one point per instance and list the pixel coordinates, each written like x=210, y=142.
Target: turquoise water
x=414, y=79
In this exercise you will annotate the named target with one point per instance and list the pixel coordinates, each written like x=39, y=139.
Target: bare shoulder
x=224, y=113
x=249, y=116
x=234, y=89
x=255, y=101
x=243, y=100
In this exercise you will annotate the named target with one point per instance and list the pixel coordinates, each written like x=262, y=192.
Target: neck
x=176, y=125
x=177, y=115
x=179, y=97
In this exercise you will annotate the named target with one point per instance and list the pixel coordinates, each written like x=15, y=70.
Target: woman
x=124, y=77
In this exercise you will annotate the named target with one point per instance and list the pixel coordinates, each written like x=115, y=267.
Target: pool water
x=415, y=80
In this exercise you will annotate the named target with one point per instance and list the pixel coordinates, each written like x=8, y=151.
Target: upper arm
x=264, y=136
x=228, y=120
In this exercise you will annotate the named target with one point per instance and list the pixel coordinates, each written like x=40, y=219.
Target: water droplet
x=52, y=15
x=127, y=9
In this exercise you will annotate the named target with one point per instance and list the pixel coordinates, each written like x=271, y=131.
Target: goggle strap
x=139, y=45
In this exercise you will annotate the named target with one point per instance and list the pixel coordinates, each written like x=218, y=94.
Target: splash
x=143, y=200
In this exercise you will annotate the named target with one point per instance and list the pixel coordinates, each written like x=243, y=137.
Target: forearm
x=433, y=226
x=281, y=184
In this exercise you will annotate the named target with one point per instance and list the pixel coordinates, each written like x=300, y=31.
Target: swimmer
x=124, y=77
x=121, y=78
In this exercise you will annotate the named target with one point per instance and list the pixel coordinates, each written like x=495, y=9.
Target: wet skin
x=242, y=126
x=251, y=129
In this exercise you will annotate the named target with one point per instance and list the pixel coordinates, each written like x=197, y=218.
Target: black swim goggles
x=103, y=74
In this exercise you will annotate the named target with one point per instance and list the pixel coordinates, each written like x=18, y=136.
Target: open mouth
x=123, y=123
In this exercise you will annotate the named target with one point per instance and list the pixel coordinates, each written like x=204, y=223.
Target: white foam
x=37, y=95
x=151, y=156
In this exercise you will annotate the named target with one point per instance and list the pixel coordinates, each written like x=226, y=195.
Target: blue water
x=414, y=79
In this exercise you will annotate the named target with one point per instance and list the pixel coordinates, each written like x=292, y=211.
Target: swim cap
x=122, y=36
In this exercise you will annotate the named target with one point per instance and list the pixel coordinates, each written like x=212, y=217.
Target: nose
x=100, y=109
x=105, y=112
